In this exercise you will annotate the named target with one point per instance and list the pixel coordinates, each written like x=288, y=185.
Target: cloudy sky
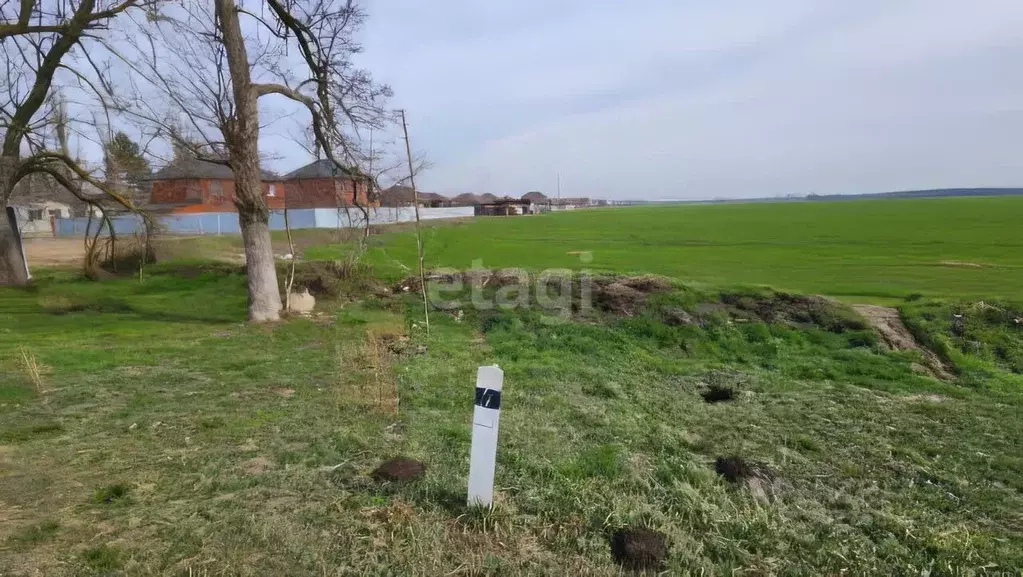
x=696, y=99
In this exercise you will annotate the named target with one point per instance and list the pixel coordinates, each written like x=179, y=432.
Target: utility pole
x=559, y=186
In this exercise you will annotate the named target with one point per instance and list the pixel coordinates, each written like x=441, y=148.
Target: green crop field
x=146, y=429
x=857, y=249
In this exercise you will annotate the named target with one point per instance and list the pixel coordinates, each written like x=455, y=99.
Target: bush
x=970, y=335
x=331, y=279
x=125, y=256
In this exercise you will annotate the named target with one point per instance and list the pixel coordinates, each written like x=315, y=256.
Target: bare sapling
x=419, y=228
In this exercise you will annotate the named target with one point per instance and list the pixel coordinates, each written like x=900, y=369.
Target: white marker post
x=485, y=416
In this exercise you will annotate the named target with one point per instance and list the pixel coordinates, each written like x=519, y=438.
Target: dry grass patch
x=364, y=372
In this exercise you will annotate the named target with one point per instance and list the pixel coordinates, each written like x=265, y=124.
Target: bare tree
x=38, y=43
x=217, y=76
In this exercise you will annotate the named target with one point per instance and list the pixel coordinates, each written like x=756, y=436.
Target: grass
x=174, y=439
x=144, y=429
x=860, y=250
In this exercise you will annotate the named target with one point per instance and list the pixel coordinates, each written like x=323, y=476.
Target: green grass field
x=858, y=250
x=145, y=429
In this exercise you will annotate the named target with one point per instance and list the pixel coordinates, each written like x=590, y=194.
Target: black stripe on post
x=488, y=398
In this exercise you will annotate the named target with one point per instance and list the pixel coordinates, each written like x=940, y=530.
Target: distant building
x=36, y=218
x=504, y=207
x=536, y=197
x=433, y=200
x=396, y=196
x=570, y=203
x=38, y=199
x=321, y=184
x=193, y=185
x=465, y=199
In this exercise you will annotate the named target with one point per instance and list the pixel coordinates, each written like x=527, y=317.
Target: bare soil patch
x=718, y=394
x=43, y=251
x=257, y=466
x=399, y=469
x=739, y=470
x=887, y=322
x=806, y=310
x=960, y=263
x=639, y=549
x=626, y=296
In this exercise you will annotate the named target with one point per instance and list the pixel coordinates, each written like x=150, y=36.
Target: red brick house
x=193, y=185
x=320, y=185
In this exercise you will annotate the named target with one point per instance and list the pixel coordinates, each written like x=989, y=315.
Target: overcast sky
x=697, y=99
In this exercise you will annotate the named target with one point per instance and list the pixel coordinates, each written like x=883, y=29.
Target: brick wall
x=212, y=194
x=324, y=193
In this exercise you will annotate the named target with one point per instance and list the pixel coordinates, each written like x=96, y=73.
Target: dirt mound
x=639, y=549
x=794, y=309
x=756, y=477
x=647, y=284
x=480, y=277
x=678, y=317
x=887, y=322
x=718, y=394
x=738, y=470
x=399, y=469
x=626, y=296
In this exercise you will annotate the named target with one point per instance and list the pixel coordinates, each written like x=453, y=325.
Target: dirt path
x=888, y=323
x=48, y=251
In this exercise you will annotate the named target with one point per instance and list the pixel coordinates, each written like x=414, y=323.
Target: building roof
x=396, y=195
x=487, y=197
x=189, y=168
x=432, y=197
x=322, y=168
x=507, y=201
x=535, y=196
x=399, y=195
x=466, y=198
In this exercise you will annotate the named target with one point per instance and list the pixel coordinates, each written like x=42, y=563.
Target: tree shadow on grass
x=120, y=310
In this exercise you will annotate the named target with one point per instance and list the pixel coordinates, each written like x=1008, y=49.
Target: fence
x=227, y=222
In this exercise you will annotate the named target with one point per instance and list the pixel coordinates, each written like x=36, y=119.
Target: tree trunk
x=242, y=137
x=12, y=260
x=13, y=271
x=264, y=296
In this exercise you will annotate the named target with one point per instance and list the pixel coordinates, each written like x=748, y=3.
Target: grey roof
x=396, y=195
x=466, y=198
x=322, y=168
x=194, y=168
x=535, y=196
